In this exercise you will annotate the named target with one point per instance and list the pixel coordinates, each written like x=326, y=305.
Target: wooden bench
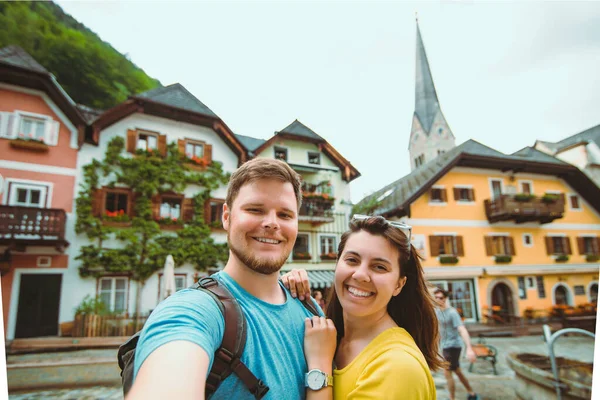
x=485, y=352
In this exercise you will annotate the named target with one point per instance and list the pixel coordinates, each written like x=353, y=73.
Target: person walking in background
x=451, y=332
x=318, y=296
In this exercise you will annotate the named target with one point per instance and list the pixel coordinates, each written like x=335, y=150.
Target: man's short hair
x=263, y=168
x=442, y=291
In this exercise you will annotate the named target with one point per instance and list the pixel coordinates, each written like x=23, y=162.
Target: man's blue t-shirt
x=274, y=349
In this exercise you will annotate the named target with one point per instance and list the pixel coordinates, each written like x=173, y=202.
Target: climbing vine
x=142, y=245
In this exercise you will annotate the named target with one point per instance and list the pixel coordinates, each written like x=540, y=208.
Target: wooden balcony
x=507, y=208
x=30, y=226
x=316, y=210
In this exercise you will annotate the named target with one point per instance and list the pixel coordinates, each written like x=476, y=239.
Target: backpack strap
x=227, y=357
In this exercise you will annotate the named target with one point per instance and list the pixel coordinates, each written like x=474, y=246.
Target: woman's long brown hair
x=414, y=308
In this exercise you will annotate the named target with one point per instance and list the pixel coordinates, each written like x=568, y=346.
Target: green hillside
x=90, y=70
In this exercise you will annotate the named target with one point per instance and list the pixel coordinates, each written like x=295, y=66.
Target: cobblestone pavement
x=485, y=383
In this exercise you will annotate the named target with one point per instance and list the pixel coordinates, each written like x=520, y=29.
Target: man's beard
x=265, y=267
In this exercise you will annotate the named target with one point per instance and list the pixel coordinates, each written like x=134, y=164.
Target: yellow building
x=506, y=231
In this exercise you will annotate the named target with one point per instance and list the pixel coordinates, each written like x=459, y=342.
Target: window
x=314, y=158
x=579, y=290
x=574, y=202
x=522, y=290
x=593, y=288
x=180, y=283
x=328, y=246
x=419, y=160
x=440, y=131
x=496, y=185
x=588, y=245
x=301, y=247
x=499, y=246
x=27, y=194
x=215, y=210
x=527, y=240
x=113, y=293
x=116, y=202
x=558, y=245
x=194, y=149
x=530, y=282
x=461, y=296
x=32, y=128
x=439, y=152
x=464, y=194
x=526, y=187
x=446, y=245
x=281, y=153
x=170, y=207
x=437, y=195
x=540, y=287
x=147, y=141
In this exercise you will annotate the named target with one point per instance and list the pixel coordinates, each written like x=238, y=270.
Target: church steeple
x=430, y=134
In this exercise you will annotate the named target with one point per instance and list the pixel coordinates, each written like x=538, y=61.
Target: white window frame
x=561, y=235
x=12, y=184
x=194, y=143
x=437, y=203
x=113, y=291
x=578, y=209
x=287, y=152
x=501, y=234
x=587, y=235
x=313, y=153
x=589, y=290
x=490, y=182
x=325, y=235
x=181, y=280
x=530, y=239
x=50, y=139
x=465, y=202
x=146, y=133
x=530, y=182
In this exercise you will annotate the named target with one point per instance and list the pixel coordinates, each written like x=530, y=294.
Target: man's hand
x=297, y=282
x=471, y=356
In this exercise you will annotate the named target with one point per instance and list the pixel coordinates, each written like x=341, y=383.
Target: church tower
x=430, y=134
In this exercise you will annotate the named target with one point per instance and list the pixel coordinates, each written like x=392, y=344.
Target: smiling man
x=177, y=345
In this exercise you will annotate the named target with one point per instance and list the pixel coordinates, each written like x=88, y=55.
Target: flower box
x=562, y=258
x=550, y=198
x=448, y=259
x=301, y=256
x=503, y=259
x=329, y=256
x=116, y=219
x=524, y=197
x=592, y=257
x=29, y=144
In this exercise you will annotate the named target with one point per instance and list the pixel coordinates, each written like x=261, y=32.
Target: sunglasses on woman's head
x=404, y=228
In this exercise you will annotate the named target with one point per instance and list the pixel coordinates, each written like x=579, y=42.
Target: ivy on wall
x=143, y=245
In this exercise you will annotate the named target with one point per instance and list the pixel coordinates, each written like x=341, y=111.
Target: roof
x=395, y=198
x=89, y=113
x=299, y=129
x=177, y=96
x=426, y=100
x=589, y=135
x=249, y=142
x=16, y=56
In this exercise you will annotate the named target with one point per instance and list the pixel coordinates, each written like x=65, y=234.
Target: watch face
x=315, y=380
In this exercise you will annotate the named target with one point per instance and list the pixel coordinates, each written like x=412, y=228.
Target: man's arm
x=464, y=334
x=175, y=370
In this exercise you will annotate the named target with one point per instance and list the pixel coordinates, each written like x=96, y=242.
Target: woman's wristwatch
x=316, y=379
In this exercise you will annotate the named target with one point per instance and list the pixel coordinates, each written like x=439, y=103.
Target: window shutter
x=6, y=125
x=456, y=193
x=51, y=135
x=131, y=140
x=488, y=246
x=162, y=145
x=460, y=250
x=597, y=248
x=567, y=242
x=131, y=198
x=208, y=153
x=12, y=125
x=156, y=200
x=472, y=194
x=549, y=245
x=444, y=196
x=188, y=209
x=511, y=245
x=181, y=146
x=97, y=202
x=540, y=287
x=522, y=290
x=434, y=245
x=207, y=211
x=581, y=245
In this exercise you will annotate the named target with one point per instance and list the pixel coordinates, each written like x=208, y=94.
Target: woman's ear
x=401, y=284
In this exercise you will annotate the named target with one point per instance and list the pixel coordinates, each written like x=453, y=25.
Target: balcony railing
x=32, y=226
x=316, y=210
x=537, y=209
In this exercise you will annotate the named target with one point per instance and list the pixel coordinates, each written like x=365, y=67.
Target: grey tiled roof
x=399, y=192
x=88, y=113
x=176, y=95
x=426, y=101
x=250, y=143
x=14, y=55
x=299, y=129
x=589, y=135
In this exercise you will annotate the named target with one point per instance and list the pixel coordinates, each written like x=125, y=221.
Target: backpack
x=227, y=356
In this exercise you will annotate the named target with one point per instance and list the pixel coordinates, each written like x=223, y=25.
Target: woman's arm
x=319, y=348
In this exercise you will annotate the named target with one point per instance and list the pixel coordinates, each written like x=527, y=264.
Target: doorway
x=502, y=301
x=39, y=300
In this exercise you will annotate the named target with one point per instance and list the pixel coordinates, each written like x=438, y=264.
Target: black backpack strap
x=310, y=306
x=227, y=357
x=125, y=356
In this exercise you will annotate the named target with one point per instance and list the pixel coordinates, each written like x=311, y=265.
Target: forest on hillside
x=91, y=71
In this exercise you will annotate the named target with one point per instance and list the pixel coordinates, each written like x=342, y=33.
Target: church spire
x=426, y=101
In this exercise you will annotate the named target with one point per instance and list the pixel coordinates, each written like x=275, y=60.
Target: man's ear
x=401, y=284
x=226, y=216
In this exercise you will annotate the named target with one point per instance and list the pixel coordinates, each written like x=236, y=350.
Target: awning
x=320, y=278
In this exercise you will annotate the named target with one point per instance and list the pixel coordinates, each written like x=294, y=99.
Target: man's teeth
x=359, y=293
x=265, y=240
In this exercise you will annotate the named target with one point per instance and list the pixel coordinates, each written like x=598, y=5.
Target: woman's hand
x=297, y=282
x=320, y=338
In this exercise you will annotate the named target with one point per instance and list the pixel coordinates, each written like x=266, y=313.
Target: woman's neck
x=369, y=327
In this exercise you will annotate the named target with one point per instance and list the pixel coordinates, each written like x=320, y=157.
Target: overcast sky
x=506, y=74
